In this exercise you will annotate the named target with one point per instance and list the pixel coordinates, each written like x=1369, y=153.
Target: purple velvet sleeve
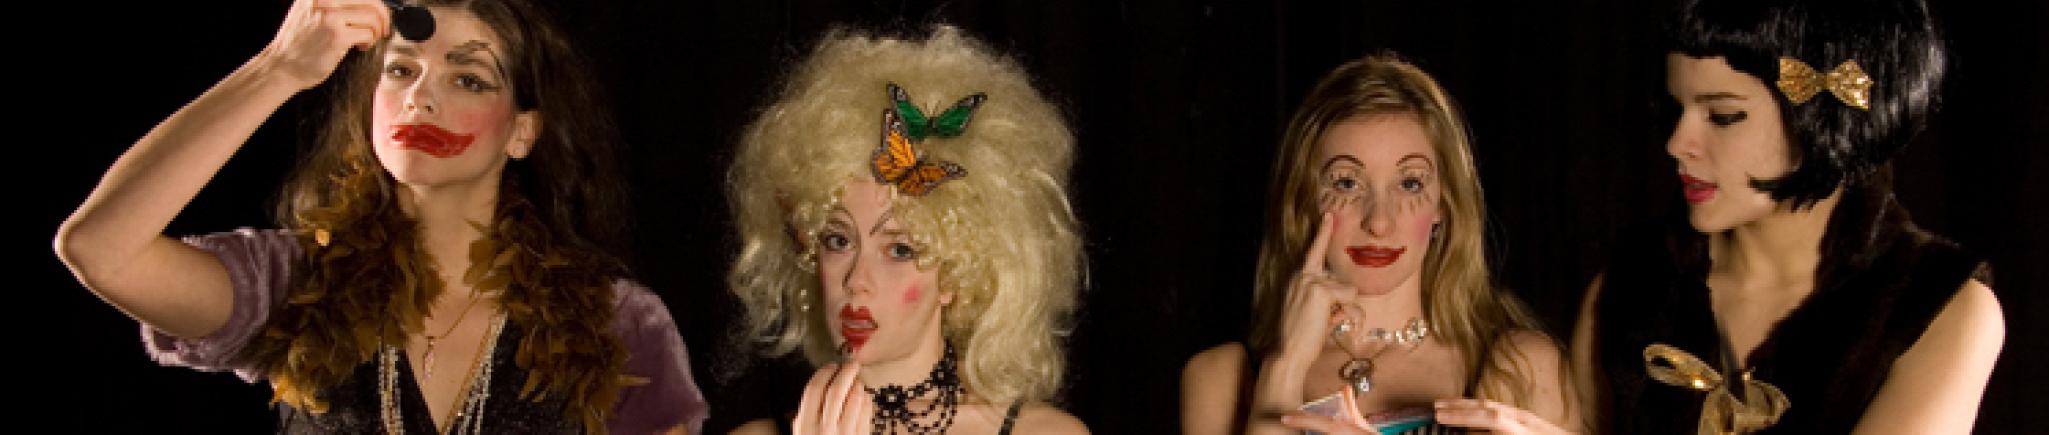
x=655, y=351
x=258, y=263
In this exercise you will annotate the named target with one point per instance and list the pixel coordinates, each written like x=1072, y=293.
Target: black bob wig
x=1833, y=144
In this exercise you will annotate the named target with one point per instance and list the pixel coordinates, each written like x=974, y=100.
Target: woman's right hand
x=114, y=241
x=834, y=403
x=1315, y=294
x=316, y=35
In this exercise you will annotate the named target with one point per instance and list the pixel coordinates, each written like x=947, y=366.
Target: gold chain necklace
x=427, y=357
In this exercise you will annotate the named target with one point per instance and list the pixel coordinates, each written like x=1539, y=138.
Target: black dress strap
x=1010, y=417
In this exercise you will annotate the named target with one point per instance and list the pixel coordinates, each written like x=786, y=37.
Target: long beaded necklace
x=1358, y=370
x=469, y=408
x=893, y=402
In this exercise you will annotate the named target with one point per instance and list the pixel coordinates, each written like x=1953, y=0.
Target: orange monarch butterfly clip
x=896, y=162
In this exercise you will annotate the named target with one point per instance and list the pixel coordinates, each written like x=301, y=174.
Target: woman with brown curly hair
x=445, y=244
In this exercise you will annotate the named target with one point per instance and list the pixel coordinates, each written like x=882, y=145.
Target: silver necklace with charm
x=1358, y=370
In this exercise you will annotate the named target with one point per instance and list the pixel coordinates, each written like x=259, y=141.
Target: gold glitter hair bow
x=1721, y=412
x=1848, y=82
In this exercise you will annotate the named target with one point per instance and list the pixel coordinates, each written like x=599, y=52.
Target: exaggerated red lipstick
x=1374, y=255
x=1697, y=190
x=856, y=324
x=431, y=139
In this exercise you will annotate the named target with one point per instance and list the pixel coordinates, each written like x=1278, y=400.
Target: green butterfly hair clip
x=948, y=124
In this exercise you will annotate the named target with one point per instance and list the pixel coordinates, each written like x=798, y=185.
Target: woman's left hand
x=1493, y=416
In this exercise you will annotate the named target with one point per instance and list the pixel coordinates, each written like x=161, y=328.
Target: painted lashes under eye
x=1725, y=119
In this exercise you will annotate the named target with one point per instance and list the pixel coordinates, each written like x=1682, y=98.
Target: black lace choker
x=893, y=402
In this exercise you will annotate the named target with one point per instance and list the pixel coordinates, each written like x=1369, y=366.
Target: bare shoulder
x=1222, y=359
x=1971, y=326
x=1532, y=344
x=1210, y=385
x=1974, y=308
x=1541, y=384
x=1533, y=356
x=757, y=427
x=1038, y=418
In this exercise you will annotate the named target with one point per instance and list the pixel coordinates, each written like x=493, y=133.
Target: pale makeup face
x=1382, y=173
x=1729, y=132
x=878, y=302
x=444, y=111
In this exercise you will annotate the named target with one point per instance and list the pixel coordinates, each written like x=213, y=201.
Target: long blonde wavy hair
x=1004, y=237
x=1463, y=306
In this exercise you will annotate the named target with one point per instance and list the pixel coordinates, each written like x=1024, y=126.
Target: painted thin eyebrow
x=1711, y=97
x=1334, y=160
x=887, y=215
x=1427, y=163
x=461, y=55
x=839, y=214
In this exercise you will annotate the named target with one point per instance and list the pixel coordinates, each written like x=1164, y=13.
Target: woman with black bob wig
x=1802, y=299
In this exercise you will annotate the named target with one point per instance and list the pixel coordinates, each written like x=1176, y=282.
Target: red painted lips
x=856, y=324
x=431, y=139
x=1697, y=190
x=1374, y=255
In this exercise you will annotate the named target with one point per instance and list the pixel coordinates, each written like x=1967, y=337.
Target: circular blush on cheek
x=486, y=121
x=1423, y=226
x=911, y=295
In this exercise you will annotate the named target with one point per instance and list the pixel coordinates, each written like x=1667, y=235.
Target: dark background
x=1176, y=105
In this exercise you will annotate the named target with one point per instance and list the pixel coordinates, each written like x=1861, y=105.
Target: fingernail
x=1287, y=419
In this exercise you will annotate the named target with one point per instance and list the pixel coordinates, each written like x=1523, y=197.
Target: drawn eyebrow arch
x=1346, y=157
x=1427, y=163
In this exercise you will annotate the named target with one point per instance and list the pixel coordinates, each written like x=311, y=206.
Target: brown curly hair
x=547, y=259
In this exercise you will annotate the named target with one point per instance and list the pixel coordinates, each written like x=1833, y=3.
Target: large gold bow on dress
x=1848, y=82
x=1721, y=413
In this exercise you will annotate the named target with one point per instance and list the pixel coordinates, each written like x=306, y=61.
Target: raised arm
x=114, y=241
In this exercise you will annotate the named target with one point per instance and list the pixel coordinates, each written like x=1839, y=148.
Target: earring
x=807, y=258
x=803, y=300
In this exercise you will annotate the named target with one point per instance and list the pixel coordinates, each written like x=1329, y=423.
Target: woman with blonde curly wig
x=1373, y=303
x=444, y=263
x=904, y=223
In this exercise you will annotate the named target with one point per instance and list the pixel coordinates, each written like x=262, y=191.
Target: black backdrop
x=1176, y=105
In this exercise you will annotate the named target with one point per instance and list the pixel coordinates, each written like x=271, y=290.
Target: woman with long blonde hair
x=1373, y=303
